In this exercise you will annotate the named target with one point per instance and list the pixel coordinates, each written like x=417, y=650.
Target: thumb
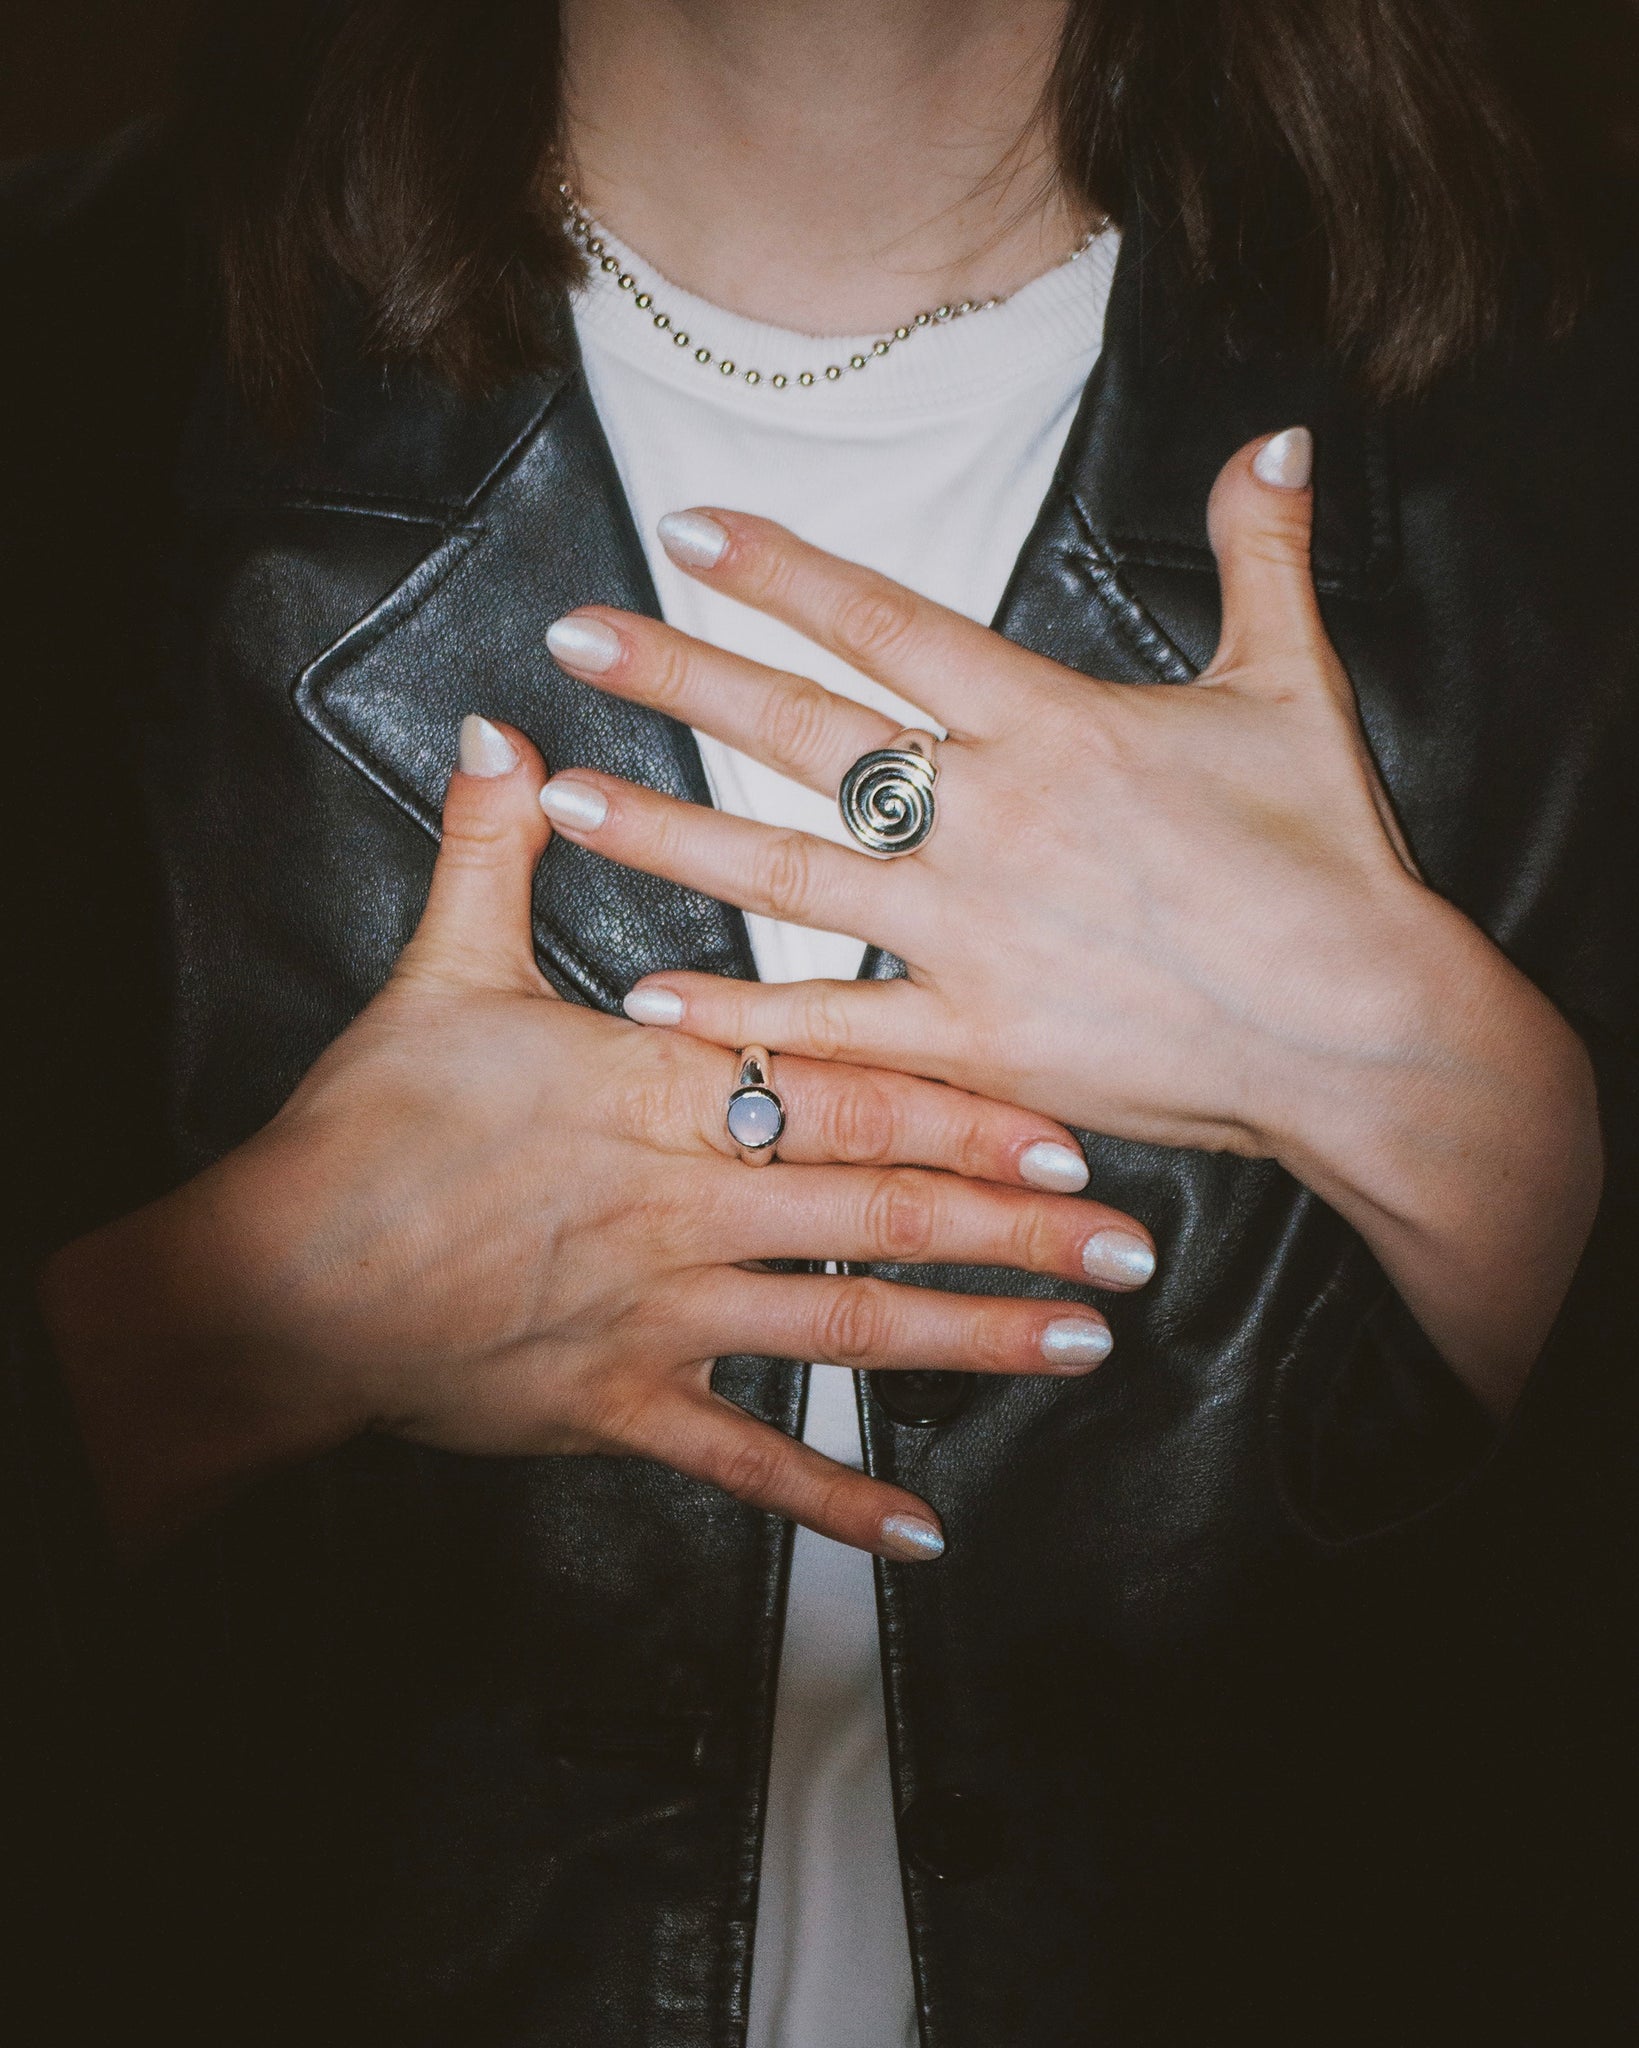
x=476, y=931
x=1261, y=518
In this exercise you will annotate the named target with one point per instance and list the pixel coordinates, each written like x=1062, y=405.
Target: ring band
x=755, y=1117
x=886, y=798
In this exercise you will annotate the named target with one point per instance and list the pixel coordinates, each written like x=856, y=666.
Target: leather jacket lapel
x=1118, y=579
x=525, y=519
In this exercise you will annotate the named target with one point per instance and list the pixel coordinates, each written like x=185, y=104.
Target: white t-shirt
x=930, y=465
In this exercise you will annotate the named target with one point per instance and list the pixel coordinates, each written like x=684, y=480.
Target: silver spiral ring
x=887, y=800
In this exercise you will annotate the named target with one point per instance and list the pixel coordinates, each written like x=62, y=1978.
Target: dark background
x=72, y=70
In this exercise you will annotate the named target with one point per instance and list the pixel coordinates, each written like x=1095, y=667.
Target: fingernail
x=1288, y=461
x=573, y=803
x=584, y=644
x=1118, y=1257
x=1058, y=1168
x=485, y=749
x=1073, y=1342
x=653, y=1006
x=693, y=539
x=910, y=1538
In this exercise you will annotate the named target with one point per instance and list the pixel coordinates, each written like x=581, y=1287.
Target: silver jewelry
x=755, y=1116
x=886, y=798
x=593, y=239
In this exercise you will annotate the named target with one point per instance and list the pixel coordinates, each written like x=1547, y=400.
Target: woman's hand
x=1178, y=915
x=493, y=1221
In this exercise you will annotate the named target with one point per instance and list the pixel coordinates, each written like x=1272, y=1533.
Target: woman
x=1261, y=1034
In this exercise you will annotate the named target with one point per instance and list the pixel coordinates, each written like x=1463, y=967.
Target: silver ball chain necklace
x=585, y=232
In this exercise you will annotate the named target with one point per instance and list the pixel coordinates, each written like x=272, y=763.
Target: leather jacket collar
x=518, y=499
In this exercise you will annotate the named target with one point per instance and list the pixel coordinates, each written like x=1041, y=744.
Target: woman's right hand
x=496, y=1222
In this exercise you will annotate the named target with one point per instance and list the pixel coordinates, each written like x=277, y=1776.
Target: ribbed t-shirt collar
x=1043, y=329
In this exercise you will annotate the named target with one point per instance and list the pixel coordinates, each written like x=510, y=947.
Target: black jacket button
x=922, y=1398
x=952, y=1835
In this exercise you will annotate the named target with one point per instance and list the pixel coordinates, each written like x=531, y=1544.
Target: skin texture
x=1179, y=916
x=374, y=1259
x=494, y=1221
x=826, y=165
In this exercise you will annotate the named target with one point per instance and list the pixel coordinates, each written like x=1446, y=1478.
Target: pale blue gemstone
x=755, y=1119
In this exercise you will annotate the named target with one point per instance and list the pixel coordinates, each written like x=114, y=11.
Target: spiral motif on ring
x=886, y=800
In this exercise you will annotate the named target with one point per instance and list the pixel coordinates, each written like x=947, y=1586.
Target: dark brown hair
x=1387, y=177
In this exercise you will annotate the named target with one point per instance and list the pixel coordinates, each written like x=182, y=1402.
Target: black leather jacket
x=1261, y=1696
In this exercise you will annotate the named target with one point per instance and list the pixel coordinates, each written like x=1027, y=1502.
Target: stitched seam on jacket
x=1147, y=639
x=396, y=610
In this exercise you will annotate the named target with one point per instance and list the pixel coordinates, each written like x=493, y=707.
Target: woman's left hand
x=1184, y=916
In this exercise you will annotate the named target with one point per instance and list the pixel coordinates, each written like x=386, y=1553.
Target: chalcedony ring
x=755, y=1116
x=886, y=798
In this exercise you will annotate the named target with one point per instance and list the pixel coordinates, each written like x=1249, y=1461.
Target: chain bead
x=583, y=230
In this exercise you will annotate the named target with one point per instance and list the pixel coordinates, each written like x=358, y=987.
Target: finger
x=850, y=1115
x=880, y=1325
x=709, y=1438
x=791, y=876
x=906, y=1216
x=786, y=721
x=1274, y=639
x=871, y=1023
x=929, y=655
x=476, y=930
x=1260, y=518
x=867, y=1116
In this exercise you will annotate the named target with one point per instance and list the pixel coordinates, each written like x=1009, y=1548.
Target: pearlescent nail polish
x=1288, y=461
x=1118, y=1258
x=574, y=804
x=693, y=539
x=653, y=1006
x=485, y=750
x=1055, y=1168
x=911, y=1539
x=587, y=645
x=1072, y=1342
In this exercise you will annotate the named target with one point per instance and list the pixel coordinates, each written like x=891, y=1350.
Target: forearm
x=1465, y=1148
x=177, y=1398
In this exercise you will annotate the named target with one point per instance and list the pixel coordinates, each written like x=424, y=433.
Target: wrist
x=1458, y=1131
x=1446, y=1060
x=180, y=1387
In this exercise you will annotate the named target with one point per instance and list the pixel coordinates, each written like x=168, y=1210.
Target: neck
x=823, y=165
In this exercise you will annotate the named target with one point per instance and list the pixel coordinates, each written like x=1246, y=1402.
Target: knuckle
x=973, y=1146
x=651, y=1104
x=900, y=1216
x=858, y=1122
x=874, y=623
x=794, y=724
x=642, y=1108
x=832, y=1503
x=669, y=671
x=1035, y=1246
x=994, y=1342
x=751, y=1470
x=825, y=1026
x=474, y=832
x=855, y=1322
x=787, y=877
